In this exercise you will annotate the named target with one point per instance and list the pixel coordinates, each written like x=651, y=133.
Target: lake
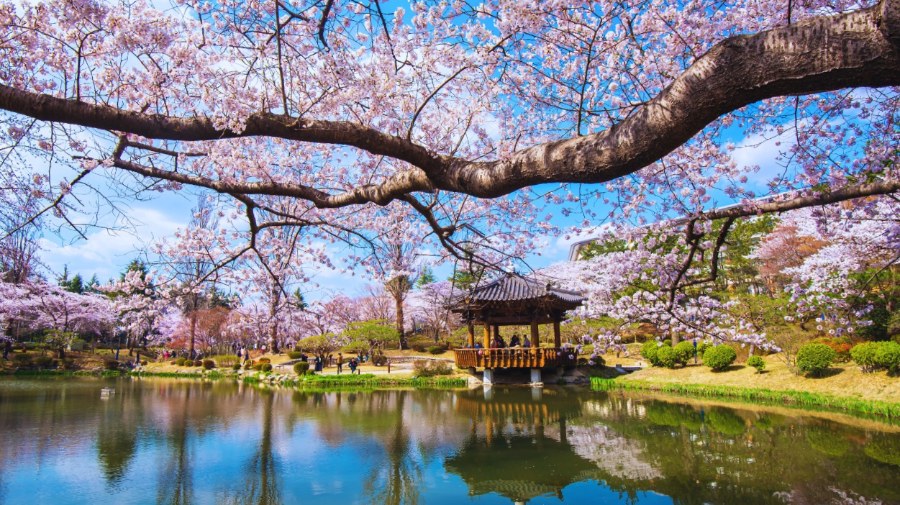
x=168, y=441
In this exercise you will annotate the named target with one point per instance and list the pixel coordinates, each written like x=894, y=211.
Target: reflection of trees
x=398, y=481
x=176, y=481
x=261, y=485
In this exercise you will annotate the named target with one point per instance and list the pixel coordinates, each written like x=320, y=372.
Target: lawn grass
x=844, y=380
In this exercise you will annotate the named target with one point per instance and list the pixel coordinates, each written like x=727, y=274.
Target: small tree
x=321, y=345
x=375, y=333
x=719, y=357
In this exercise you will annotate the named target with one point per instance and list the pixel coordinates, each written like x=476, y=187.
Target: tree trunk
x=398, y=301
x=193, y=331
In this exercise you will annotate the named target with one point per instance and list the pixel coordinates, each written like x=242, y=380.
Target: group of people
x=353, y=364
x=498, y=343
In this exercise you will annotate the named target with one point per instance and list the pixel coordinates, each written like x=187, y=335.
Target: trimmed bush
x=22, y=359
x=248, y=365
x=301, y=367
x=684, y=352
x=265, y=367
x=888, y=356
x=864, y=355
x=430, y=368
x=667, y=342
x=179, y=361
x=756, y=362
x=666, y=356
x=649, y=351
x=198, y=362
x=294, y=354
x=44, y=361
x=813, y=359
x=379, y=360
x=236, y=367
x=435, y=350
x=264, y=360
x=719, y=357
x=111, y=364
x=209, y=364
x=840, y=345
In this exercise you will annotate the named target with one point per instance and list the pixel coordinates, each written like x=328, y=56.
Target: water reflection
x=183, y=442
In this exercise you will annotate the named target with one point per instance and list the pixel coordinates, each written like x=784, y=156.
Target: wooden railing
x=515, y=357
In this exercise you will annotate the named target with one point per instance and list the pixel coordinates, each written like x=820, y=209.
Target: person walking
x=340, y=363
x=7, y=348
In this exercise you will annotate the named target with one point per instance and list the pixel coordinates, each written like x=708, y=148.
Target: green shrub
x=702, y=347
x=209, y=364
x=22, y=359
x=379, y=360
x=888, y=356
x=248, y=365
x=180, y=361
x=813, y=359
x=756, y=362
x=111, y=364
x=649, y=352
x=264, y=360
x=435, y=350
x=667, y=342
x=236, y=367
x=864, y=355
x=301, y=368
x=665, y=355
x=263, y=367
x=67, y=363
x=719, y=357
x=684, y=352
x=295, y=354
x=45, y=361
x=430, y=368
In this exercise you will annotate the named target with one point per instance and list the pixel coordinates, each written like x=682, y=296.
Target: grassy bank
x=365, y=381
x=788, y=397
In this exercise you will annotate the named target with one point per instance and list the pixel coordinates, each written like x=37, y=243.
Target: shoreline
x=367, y=380
x=796, y=399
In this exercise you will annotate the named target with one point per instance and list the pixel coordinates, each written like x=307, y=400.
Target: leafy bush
x=379, y=360
x=22, y=359
x=888, y=356
x=702, y=347
x=841, y=347
x=144, y=363
x=198, y=362
x=430, y=368
x=684, y=352
x=263, y=367
x=419, y=346
x=264, y=360
x=236, y=367
x=179, y=361
x=864, y=355
x=649, y=352
x=294, y=354
x=719, y=357
x=45, y=361
x=67, y=363
x=756, y=362
x=435, y=350
x=209, y=364
x=248, y=365
x=111, y=364
x=301, y=367
x=666, y=356
x=667, y=342
x=813, y=359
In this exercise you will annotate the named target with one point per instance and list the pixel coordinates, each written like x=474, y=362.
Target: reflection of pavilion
x=513, y=300
x=507, y=451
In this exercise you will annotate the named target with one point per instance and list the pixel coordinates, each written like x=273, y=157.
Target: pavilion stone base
x=488, y=379
x=536, y=376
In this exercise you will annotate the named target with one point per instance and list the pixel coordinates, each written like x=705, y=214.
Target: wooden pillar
x=487, y=336
x=496, y=332
x=557, y=341
x=471, y=334
x=535, y=336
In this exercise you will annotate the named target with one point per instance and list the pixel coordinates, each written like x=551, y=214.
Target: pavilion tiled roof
x=513, y=287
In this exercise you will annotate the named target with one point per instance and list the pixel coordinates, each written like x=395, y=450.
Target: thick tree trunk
x=398, y=301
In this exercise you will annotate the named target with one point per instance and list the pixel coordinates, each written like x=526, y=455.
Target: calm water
x=184, y=442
